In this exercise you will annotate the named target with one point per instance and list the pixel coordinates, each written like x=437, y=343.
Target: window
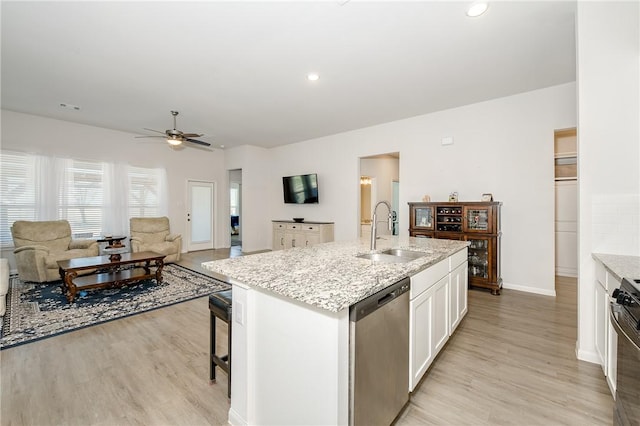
x=81, y=198
x=95, y=197
x=145, y=192
x=17, y=192
x=234, y=199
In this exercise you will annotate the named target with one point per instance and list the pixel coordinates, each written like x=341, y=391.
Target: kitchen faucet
x=374, y=222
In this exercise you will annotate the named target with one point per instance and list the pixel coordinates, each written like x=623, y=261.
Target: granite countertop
x=304, y=222
x=330, y=276
x=619, y=265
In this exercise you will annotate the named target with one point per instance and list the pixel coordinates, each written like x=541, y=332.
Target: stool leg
x=229, y=357
x=212, y=349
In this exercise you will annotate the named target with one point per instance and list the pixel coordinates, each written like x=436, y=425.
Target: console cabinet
x=288, y=234
x=476, y=222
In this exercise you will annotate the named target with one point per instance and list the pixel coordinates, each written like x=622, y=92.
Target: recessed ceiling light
x=312, y=76
x=477, y=8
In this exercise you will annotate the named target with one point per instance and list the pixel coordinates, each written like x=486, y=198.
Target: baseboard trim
x=588, y=356
x=528, y=289
x=567, y=272
x=235, y=419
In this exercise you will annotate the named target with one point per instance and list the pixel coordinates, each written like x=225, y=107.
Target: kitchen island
x=291, y=324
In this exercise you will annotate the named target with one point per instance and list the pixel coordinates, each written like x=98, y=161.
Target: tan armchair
x=153, y=234
x=39, y=246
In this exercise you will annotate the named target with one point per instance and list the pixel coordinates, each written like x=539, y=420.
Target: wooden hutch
x=477, y=222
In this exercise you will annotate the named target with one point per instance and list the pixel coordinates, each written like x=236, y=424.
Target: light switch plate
x=238, y=309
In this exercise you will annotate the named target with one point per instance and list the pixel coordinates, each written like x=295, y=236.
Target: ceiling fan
x=176, y=137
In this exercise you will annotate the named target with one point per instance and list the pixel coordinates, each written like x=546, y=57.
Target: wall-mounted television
x=300, y=189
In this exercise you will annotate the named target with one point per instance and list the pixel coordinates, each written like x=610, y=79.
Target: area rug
x=37, y=311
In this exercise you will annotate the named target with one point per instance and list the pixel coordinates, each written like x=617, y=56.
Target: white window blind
x=18, y=192
x=81, y=197
x=95, y=197
x=146, y=190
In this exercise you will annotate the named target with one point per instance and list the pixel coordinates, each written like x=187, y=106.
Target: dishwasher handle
x=378, y=300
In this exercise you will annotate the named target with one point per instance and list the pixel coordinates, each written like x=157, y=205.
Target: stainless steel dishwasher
x=379, y=356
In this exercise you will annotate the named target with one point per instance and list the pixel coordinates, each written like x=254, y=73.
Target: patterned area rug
x=36, y=311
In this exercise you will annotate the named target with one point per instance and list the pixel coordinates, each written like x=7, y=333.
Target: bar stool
x=220, y=307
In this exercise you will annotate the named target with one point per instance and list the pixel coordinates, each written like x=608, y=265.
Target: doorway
x=200, y=218
x=566, y=202
x=379, y=181
x=235, y=207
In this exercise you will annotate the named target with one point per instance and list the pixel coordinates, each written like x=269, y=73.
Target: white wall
x=608, y=43
x=258, y=190
x=30, y=133
x=503, y=146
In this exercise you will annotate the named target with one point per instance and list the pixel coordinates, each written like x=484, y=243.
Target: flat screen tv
x=300, y=189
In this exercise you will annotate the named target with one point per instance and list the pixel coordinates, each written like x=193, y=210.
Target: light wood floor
x=511, y=361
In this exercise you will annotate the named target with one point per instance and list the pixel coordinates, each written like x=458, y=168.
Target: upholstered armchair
x=40, y=245
x=153, y=234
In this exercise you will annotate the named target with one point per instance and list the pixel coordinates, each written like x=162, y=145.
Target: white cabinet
x=606, y=338
x=612, y=339
x=278, y=236
x=288, y=234
x=440, y=318
x=459, y=282
x=601, y=323
x=435, y=294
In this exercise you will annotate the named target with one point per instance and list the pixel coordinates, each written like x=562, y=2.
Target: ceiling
x=236, y=71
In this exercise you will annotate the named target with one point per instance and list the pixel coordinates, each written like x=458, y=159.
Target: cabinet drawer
x=310, y=228
x=427, y=278
x=457, y=259
x=279, y=226
x=294, y=226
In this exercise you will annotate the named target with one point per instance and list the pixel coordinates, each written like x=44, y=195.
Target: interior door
x=200, y=215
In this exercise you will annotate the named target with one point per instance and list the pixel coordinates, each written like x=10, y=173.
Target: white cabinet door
x=420, y=346
x=612, y=339
x=440, y=317
x=601, y=324
x=278, y=237
x=458, y=295
x=612, y=359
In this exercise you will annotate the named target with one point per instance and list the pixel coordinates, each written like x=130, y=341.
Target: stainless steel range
x=625, y=318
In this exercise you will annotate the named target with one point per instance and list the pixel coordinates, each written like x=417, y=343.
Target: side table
x=114, y=246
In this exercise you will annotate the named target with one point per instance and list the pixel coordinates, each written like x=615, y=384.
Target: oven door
x=627, y=408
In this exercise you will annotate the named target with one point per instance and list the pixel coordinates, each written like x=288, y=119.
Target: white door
x=200, y=215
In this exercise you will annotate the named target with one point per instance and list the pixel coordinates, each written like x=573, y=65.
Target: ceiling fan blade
x=154, y=136
x=192, y=135
x=195, y=141
x=157, y=131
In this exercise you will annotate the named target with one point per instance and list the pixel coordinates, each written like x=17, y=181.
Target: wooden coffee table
x=109, y=273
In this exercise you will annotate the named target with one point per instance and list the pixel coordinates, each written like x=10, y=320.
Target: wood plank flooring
x=512, y=361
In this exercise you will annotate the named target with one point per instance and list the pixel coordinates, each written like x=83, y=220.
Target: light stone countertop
x=330, y=276
x=619, y=265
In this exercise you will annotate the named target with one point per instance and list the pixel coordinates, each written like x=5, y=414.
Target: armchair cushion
x=153, y=234
x=39, y=246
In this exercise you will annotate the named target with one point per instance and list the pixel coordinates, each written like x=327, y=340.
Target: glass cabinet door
x=477, y=219
x=423, y=217
x=479, y=258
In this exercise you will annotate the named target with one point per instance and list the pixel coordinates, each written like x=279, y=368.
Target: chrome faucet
x=374, y=222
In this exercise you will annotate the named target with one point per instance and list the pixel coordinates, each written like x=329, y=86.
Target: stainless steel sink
x=384, y=258
x=405, y=253
x=392, y=256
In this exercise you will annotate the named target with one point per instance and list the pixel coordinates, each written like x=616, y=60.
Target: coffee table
x=108, y=272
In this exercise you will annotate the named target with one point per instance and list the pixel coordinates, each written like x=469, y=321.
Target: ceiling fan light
x=174, y=141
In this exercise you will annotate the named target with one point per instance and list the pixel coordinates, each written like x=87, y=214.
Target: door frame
x=204, y=246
